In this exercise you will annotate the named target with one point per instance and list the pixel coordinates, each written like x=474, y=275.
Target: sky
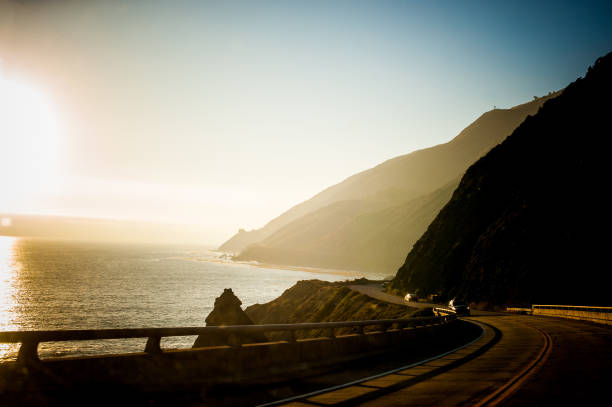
x=222, y=115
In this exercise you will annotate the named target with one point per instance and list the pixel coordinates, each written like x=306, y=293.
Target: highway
x=519, y=360
x=375, y=291
x=487, y=359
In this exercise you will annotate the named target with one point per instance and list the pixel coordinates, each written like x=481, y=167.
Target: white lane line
x=376, y=376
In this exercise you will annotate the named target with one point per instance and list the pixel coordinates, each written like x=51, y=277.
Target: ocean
x=78, y=285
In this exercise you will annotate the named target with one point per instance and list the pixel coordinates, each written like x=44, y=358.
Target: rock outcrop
x=227, y=311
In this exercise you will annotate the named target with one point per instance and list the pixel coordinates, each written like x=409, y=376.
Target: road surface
x=519, y=360
x=376, y=291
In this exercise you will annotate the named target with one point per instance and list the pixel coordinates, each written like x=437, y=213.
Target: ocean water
x=73, y=285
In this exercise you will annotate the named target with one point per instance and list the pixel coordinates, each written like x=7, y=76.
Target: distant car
x=460, y=307
x=411, y=297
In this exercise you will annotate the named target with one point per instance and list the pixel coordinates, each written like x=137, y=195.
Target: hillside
x=527, y=223
x=371, y=220
x=413, y=174
x=354, y=235
x=320, y=301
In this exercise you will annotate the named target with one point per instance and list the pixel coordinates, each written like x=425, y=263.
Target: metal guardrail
x=29, y=340
x=440, y=311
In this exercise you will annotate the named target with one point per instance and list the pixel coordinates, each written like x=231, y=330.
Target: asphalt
x=577, y=371
x=520, y=360
x=376, y=291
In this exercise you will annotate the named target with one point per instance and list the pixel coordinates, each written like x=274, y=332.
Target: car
x=411, y=297
x=459, y=306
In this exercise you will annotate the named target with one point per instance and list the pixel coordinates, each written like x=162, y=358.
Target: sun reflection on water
x=49, y=285
x=9, y=269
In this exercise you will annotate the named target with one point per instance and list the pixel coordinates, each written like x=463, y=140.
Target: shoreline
x=313, y=270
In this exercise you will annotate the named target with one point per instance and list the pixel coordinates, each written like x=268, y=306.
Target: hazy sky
x=225, y=114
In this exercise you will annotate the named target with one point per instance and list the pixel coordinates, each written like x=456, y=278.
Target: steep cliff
x=528, y=222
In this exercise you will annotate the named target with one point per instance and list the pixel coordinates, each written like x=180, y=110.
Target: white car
x=411, y=297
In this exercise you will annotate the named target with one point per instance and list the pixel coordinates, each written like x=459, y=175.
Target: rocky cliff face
x=528, y=222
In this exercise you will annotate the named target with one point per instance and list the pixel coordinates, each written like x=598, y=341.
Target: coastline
x=314, y=270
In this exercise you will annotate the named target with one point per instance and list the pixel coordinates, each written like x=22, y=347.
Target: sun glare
x=29, y=144
x=8, y=274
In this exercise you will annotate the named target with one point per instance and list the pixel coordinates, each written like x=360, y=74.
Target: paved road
x=519, y=361
x=577, y=371
x=376, y=291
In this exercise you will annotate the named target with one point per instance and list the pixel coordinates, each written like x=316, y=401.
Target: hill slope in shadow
x=528, y=222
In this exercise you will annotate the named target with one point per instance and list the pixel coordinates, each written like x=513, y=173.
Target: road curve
x=520, y=360
x=376, y=291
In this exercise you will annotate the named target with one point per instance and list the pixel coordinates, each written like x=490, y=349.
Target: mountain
x=353, y=235
x=370, y=221
x=528, y=222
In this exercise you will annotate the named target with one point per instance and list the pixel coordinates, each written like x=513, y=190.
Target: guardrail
x=602, y=315
x=443, y=311
x=29, y=340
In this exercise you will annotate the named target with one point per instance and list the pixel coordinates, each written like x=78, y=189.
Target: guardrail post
x=332, y=333
x=28, y=352
x=360, y=330
x=153, y=345
x=291, y=335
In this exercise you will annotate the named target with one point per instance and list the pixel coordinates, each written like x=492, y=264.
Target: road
x=519, y=360
x=375, y=291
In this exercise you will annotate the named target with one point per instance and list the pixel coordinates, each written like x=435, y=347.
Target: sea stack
x=227, y=311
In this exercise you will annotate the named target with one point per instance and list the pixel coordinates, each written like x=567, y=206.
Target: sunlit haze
x=222, y=115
